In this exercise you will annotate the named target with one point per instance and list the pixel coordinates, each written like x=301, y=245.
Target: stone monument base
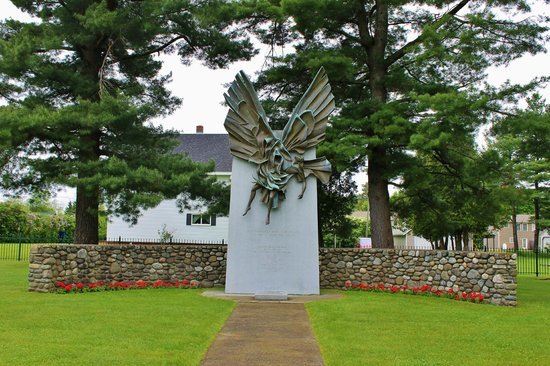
x=282, y=256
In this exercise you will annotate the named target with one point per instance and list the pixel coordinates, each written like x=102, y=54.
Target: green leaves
x=82, y=84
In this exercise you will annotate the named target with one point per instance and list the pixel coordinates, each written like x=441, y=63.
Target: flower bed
x=424, y=290
x=117, y=285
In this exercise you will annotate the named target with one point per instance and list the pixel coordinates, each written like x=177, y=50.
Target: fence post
x=19, y=246
x=537, y=261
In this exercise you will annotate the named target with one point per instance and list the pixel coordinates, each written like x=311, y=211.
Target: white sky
x=202, y=89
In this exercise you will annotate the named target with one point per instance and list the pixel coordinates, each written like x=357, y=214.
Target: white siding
x=151, y=222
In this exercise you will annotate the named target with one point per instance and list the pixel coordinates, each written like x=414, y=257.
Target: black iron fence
x=167, y=241
x=530, y=262
x=18, y=247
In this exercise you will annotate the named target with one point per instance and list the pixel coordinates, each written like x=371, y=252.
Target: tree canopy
x=83, y=79
x=522, y=141
x=407, y=75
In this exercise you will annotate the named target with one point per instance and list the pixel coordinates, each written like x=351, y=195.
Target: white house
x=165, y=222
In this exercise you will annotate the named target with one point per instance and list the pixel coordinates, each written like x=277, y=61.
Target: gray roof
x=205, y=147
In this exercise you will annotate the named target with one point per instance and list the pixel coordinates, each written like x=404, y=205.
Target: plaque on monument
x=273, y=245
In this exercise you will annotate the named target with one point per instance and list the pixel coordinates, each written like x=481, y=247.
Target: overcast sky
x=202, y=88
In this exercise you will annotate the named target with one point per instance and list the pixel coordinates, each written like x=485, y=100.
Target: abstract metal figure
x=279, y=155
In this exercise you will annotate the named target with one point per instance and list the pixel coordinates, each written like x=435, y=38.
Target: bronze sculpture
x=279, y=155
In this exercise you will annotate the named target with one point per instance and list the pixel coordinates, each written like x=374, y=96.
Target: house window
x=518, y=227
x=524, y=243
x=525, y=227
x=201, y=220
x=511, y=240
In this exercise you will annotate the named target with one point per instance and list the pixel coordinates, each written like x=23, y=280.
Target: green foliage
x=13, y=217
x=452, y=191
x=36, y=218
x=407, y=76
x=347, y=234
x=83, y=81
x=336, y=201
x=522, y=141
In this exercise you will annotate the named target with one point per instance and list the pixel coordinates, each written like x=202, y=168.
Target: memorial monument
x=273, y=245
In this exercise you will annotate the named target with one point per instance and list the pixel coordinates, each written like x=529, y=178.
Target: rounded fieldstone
x=114, y=268
x=49, y=260
x=473, y=274
x=157, y=266
x=82, y=253
x=498, y=279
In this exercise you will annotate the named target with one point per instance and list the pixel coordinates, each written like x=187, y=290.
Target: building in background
x=165, y=222
x=503, y=238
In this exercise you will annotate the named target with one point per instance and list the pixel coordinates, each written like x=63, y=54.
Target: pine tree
x=387, y=63
x=82, y=82
x=525, y=138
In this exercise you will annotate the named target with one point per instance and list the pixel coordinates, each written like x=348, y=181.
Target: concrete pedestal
x=282, y=256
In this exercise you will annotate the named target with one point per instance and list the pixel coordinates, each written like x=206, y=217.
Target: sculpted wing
x=307, y=123
x=246, y=122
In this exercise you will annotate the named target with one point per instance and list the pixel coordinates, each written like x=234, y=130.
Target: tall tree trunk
x=87, y=205
x=515, y=228
x=459, y=241
x=465, y=240
x=379, y=202
x=375, y=46
x=87, y=193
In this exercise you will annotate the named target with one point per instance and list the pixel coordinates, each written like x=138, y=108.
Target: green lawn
x=140, y=327
x=171, y=327
x=385, y=329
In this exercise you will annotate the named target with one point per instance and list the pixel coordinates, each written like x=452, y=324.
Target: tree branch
x=156, y=49
x=363, y=26
x=394, y=57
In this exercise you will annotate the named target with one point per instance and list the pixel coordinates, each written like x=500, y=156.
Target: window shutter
x=188, y=219
x=213, y=220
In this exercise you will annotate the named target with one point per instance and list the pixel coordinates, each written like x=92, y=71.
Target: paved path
x=265, y=333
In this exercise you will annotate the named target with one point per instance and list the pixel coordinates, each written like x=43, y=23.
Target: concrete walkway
x=265, y=333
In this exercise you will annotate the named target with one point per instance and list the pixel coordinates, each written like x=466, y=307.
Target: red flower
x=185, y=282
x=68, y=288
x=79, y=286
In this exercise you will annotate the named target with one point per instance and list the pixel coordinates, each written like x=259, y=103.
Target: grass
x=141, y=327
x=171, y=327
x=396, y=329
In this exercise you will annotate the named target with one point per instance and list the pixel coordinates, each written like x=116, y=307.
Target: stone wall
x=491, y=274
x=94, y=263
